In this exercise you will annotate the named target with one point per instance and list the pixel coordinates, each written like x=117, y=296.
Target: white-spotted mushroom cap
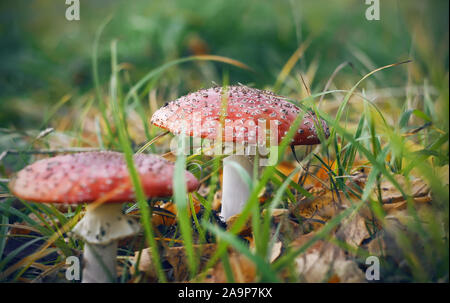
x=87, y=177
x=248, y=109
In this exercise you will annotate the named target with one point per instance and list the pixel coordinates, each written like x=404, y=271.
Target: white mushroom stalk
x=101, y=229
x=235, y=191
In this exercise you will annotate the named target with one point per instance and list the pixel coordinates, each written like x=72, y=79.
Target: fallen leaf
x=312, y=179
x=334, y=279
x=325, y=205
x=416, y=188
x=243, y=270
x=303, y=239
x=165, y=213
x=246, y=230
x=276, y=251
x=217, y=201
x=286, y=168
x=278, y=212
x=395, y=228
x=203, y=190
x=281, y=219
x=176, y=257
x=324, y=261
x=352, y=230
x=145, y=265
x=170, y=156
x=390, y=207
x=357, y=181
x=315, y=268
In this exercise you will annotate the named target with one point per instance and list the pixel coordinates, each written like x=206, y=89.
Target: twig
x=44, y=133
x=305, y=172
x=308, y=91
x=416, y=130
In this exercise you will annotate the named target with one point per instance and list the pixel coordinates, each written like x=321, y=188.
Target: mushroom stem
x=101, y=228
x=235, y=190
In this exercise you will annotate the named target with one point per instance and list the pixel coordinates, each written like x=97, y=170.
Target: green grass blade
x=146, y=213
x=267, y=274
x=179, y=185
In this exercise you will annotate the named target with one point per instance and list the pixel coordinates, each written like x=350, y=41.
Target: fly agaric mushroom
x=87, y=177
x=199, y=115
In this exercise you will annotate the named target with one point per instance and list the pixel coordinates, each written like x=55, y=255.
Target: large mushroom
x=248, y=114
x=88, y=177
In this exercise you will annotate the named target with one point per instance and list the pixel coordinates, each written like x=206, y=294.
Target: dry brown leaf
x=314, y=267
x=326, y=205
x=176, y=257
x=203, y=190
x=385, y=243
x=170, y=156
x=391, y=207
x=145, y=265
x=303, y=239
x=163, y=218
x=217, y=201
x=377, y=246
x=334, y=279
x=244, y=271
x=353, y=230
x=286, y=168
x=246, y=230
x=390, y=194
x=321, y=174
x=278, y=212
x=169, y=218
x=276, y=251
x=21, y=229
x=395, y=227
x=288, y=227
x=315, y=180
x=324, y=262
x=357, y=179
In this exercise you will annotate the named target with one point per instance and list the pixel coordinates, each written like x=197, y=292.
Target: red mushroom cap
x=86, y=177
x=198, y=115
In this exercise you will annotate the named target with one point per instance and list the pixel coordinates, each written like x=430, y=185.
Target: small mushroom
x=87, y=177
x=249, y=113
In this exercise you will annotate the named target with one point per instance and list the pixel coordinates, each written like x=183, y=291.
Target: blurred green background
x=45, y=57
